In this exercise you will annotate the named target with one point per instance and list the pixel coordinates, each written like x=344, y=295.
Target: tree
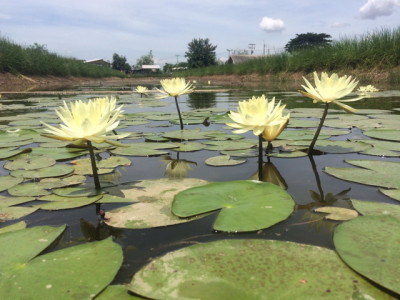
x=200, y=53
x=119, y=63
x=145, y=60
x=308, y=40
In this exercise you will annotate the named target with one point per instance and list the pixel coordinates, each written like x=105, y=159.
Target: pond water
x=304, y=177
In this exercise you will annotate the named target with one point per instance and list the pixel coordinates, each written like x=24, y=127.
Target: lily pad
x=251, y=269
x=368, y=208
x=52, y=171
x=241, y=152
x=370, y=245
x=223, y=160
x=30, y=162
x=383, y=134
x=186, y=134
x=59, y=154
x=79, y=272
x=10, y=201
x=189, y=147
x=83, y=190
x=337, y=213
x=59, y=202
x=372, y=172
x=245, y=205
x=230, y=145
x=144, y=149
x=14, y=227
x=337, y=147
x=7, y=182
x=53, y=183
x=15, y=212
x=20, y=246
x=30, y=189
x=119, y=292
x=394, y=194
x=153, y=210
x=7, y=153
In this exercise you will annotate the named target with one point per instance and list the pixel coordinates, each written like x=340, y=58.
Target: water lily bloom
x=87, y=121
x=261, y=116
x=141, y=90
x=175, y=87
x=367, y=90
x=329, y=89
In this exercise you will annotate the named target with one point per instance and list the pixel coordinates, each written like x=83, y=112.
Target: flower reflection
x=270, y=173
x=176, y=168
x=142, y=90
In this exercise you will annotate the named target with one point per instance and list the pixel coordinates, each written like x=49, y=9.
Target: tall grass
x=36, y=60
x=377, y=50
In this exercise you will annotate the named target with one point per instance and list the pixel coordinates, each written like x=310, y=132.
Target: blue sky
x=89, y=29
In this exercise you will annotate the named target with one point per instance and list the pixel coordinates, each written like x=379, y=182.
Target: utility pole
x=177, y=58
x=229, y=52
x=252, y=47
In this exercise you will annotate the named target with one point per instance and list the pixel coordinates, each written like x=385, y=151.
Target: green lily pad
x=336, y=147
x=14, y=227
x=52, y=171
x=394, y=194
x=291, y=154
x=300, y=123
x=186, y=134
x=106, y=198
x=153, y=210
x=7, y=182
x=143, y=149
x=223, y=160
x=83, y=190
x=53, y=183
x=383, y=134
x=368, y=208
x=189, y=147
x=337, y=213
x=371, y=246
x=10, y=201
x=79, y=272
x=251, y=269
x=119, y=292
x=20, y=246
x=30, y=162
x=245, y=205
x=304, y=134
x=15, y=212
x=241, y=152
x=60, y=202
x=7, y=153
x=30, y=189
x=59, y=154
x=372, y=172
x=230, y=145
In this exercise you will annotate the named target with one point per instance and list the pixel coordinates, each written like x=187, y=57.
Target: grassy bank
x=379, y=50
x=36, y=60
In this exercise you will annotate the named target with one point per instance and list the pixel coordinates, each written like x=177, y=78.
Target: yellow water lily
x=87, y=121
x=261, y=116
x=141, y=90
x=367, y=90
x=329, y=89
x=175, y=87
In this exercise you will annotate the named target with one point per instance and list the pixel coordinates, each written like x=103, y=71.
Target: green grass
x=36, y=60
x=379, y=50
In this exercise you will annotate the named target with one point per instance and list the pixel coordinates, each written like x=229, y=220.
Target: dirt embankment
x=21, y=83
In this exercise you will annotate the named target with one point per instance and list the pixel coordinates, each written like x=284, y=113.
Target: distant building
x=239, y=58
x=150, y=69
x=98, y=62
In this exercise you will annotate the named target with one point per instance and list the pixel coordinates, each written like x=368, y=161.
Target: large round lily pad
x=371, y=246
x=372, y=172
x=368, y=208
x=144, y=149
x=52, y=171
x=251, y=269
x=383, y=134
x=245, y=205
x=56, y=202
x=30, y=162
x=223, y=160
x=7, y=182
x=79, y=272
x=154, y=207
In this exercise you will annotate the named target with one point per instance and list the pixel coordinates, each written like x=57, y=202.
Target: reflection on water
x=176, y=168
x=269, y=173
x=201, y=100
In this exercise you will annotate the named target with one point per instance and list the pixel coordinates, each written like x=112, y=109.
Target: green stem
x=94, y=167
x=311, y=147
x=260, y=157
x=179, y=111
x=318, y=180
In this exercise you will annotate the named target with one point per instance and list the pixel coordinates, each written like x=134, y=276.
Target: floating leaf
x=155, y=197
x=245, y=205
x=30, y=162
x=329, y=146
x=53, y=183
x=10, y=201
x=114, y=199
x=15, y=212
x=52, y=171
x=59, y=154
x=119, y=292
x=251, y=269
x=372, y=172
x=7, y=153
x=337, y=213
x=394, y=194
x=367, y=208
x=189, y=147
x=7, y=182
x=14, y=227
x=383, y=134
x=20, y=246
x=186, y=134
x=371, y=246
x=60, y=202
x=83, y=190
x=30, y=189
x=223, y=160
x=230, y=145
x=241, y=153
x=79, y=272
x=143, y=149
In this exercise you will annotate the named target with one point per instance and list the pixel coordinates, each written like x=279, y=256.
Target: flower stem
x=179, y=111
x=260, y=157
x=94, y=167
x=311, y=147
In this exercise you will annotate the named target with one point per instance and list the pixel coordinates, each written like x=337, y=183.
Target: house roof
x=237, y=59
x=150, y=66
x=97, y=61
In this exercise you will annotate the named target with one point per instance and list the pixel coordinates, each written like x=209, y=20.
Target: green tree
x=308, y=40
x=119, y=63
x=201, y=53
x=145, y=60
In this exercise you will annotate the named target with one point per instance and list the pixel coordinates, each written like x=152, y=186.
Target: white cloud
x=378, y=8
x=340, y=24
x=269, y=24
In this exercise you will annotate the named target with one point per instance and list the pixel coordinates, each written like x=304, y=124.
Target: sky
x=88, y=29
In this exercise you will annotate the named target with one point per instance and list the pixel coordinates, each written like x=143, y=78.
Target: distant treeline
x=37, y=60
x=374, y=51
